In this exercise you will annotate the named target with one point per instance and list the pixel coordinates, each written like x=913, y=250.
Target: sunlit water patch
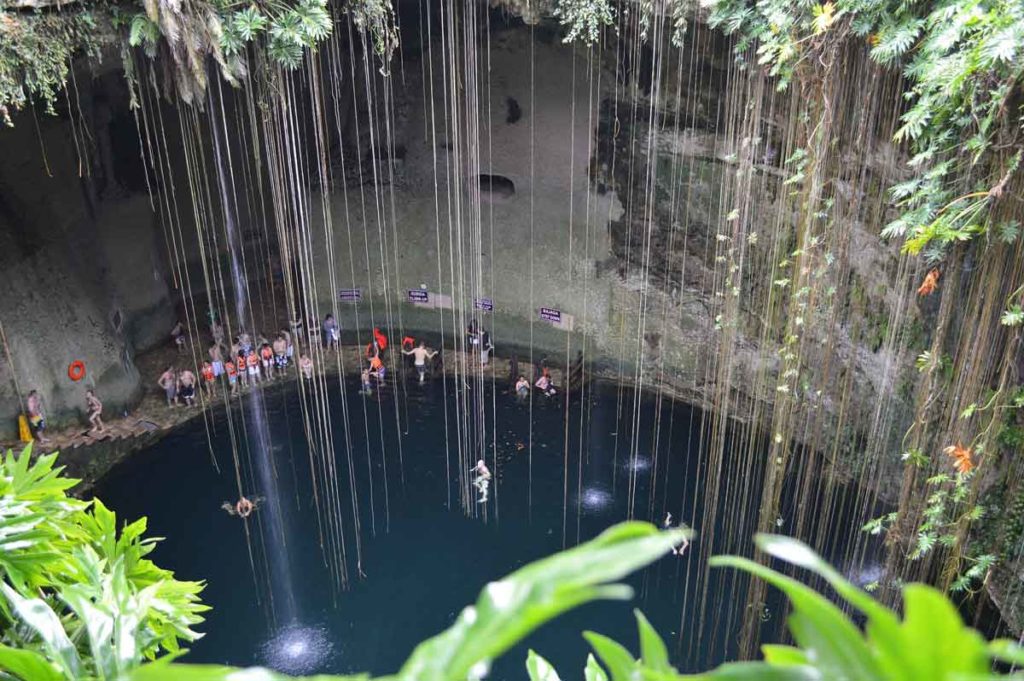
x=297, y=650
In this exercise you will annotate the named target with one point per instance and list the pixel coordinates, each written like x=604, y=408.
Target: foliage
x=36, y=51
x=929, y=642
x=962, y=60
x=584, y=19
x=80, y=599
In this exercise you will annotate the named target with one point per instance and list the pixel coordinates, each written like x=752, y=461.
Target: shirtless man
x=216, y=360
x=667, y=525
x=280, y=355
x=482, y=480
x=187, y=387
x=243, y=508
x=306, y=365
x=169, y=383
x=36, y=420
x=178, y=336
x=94, y=408
x=217, y=331
x=420, y=356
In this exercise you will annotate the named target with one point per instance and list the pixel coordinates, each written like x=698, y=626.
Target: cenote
x=423, y=557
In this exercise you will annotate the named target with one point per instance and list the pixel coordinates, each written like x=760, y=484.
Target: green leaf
x=593, y=671
x=540, y=669
x=27, y=665
x=652, y=647
x=509, y=609
x=35, y=613
x=616, y=658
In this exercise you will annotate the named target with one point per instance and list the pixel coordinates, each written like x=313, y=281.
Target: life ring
x=76, y=370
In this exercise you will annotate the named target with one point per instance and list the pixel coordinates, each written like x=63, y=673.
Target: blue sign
x=350, y=295
x=485, y=304
x=418, y=295
x=551, y=315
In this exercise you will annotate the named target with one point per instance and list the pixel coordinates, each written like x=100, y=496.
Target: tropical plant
x=930, y=641
x=80, y=599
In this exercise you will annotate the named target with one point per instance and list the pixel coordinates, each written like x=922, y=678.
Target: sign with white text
x=485, y=304
x=550, y=314
x=350, y=295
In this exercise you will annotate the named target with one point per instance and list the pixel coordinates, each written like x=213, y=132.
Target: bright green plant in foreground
x=80, y=600
x=929, y=643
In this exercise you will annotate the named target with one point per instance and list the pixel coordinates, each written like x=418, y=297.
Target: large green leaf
x=510, y=608
x=27, y=665
x=39, y=617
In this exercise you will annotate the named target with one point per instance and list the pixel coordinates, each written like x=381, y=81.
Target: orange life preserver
x=376, y=364
x=230, y=368
x=208, y=373
x=252, y=360
x=266, y=352
x=76, y=370
x=382, y=340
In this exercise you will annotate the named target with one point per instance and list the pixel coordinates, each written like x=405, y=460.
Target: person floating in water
x=94, y=408
x=482, y=481
x=243, y=508
x=544, y=384
x=522, y=388
x=420, y=356
x=667, y=525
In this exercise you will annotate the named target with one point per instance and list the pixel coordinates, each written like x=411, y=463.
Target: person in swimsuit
x=377, y=369
x=208, y=378
x=544, y=383
x=216, y=360
x=331, y=337
x=36, y=420
x=482, y=481
x=242, y=508
x=168, y=381
x=485, y=348
x=252, y=363
x=281, y=353
x=306, y=365
x=232, y=372
x=420, y=356
x=365, y=378
x=217, y=331
x=267, y=360
x=187, y=387
x=522, y=388
x=178, y=336
x=94, y=409
x=666, y=524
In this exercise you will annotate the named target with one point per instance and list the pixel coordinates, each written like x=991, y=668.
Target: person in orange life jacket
x=252, y=364
x=208, y=378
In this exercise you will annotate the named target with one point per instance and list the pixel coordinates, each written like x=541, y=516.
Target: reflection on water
x=297, y=650
x=596, y=499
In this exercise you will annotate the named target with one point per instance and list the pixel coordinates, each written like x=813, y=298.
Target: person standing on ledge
x=482, y=480
x=169, y=382
x=94, y=408
x=331, y=336
x=36, y=420
x=420, y=356
x=187, y=386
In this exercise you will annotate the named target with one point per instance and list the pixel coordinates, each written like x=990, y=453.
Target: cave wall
x=81, y=254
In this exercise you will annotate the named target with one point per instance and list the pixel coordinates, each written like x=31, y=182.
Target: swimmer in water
x=666, y=524
x=243, y=508
x=482, y=481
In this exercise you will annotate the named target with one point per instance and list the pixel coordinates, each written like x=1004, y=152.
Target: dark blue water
x=424, y=561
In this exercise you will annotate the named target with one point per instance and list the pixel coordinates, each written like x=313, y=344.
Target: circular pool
x=562, y=474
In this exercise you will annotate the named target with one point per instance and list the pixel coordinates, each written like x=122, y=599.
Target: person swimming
x=482, y=481
x=244, y=507
x=522, y=388
x=666, y=524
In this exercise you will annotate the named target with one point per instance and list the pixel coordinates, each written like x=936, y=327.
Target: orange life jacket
x=208, y=372
x=267, y=352
x=375, y=363
x=230, y=367
x=252, y=360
